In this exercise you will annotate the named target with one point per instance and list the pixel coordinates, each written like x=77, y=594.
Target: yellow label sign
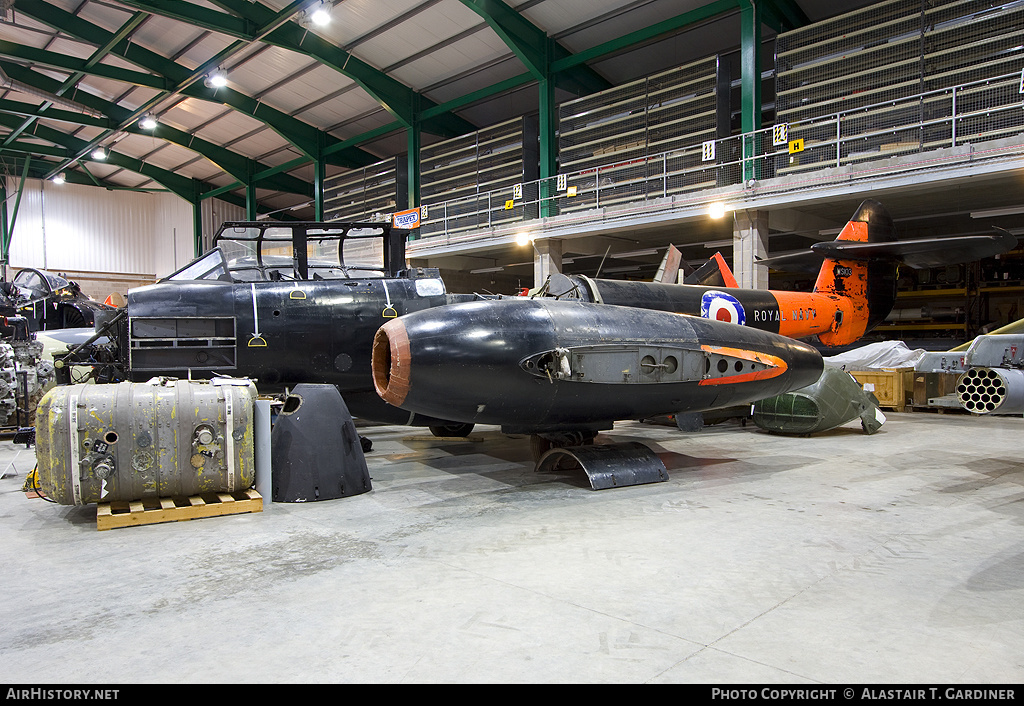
x=571, y=191
x=509, y=205
x=796, y=146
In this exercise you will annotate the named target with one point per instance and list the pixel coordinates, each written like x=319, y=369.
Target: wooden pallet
x=154, y=510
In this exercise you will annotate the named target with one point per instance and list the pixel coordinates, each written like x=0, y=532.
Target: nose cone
x=805, y=365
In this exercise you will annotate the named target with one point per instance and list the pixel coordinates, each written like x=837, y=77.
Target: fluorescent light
x=1008, y=211
x=482, y=270
x=635, y=253
x=719, y=243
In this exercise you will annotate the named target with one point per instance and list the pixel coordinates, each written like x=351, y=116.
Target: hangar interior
x=528, y=140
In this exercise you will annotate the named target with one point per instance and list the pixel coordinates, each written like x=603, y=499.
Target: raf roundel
x=720, y=306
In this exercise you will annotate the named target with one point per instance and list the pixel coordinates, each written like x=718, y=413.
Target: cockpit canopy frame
x=256, y=251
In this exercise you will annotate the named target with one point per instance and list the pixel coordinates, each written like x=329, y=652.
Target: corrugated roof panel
x=21, y=24
x=260, y=143
x=230, y=127
x=619, y=25
x=107, y=89
x=63, y=47
x=106, y=15
x=166, y=37
x=473, y=81
x=355, y=18
x=37, y=37
x=476, y=50
x=272, y=66
x=190, y=113
x=310, y=87
x=166, y=42
x=346, y=127
x=555, y=17
x=429, y=28
x=279, y=155
x=170, y=156
x=139, y=145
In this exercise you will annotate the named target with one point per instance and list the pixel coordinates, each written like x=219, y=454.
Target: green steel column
x=5, y=234
x=547, y=128
x=197, y=218
x=251, y=206
x=8, y=224
x=319, y=177
x=414, y=142
x=197, y=202
x=750, y=81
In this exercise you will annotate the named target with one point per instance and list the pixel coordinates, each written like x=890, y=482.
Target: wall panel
x=92, y=232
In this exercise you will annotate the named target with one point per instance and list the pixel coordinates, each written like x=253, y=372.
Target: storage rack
x=879, y=58
x=645, y=131
x=474, y=176
x=368, y=193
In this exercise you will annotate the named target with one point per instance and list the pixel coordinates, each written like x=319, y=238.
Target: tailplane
x=867, y=285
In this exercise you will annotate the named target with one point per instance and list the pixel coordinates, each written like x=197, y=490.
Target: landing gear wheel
x=460, y=430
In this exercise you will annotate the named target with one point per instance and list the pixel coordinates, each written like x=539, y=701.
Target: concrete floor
x=841, y=558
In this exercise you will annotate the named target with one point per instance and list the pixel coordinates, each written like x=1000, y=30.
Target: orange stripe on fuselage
x=777, y=366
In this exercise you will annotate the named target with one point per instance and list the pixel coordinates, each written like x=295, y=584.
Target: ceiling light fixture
x=216, y=80
x=148, y=122
x=321, y=16
x=716, y=210
x=523, y=239
x=99, y=153
x=58, y=178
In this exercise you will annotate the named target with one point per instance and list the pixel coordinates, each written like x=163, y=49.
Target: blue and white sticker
x=719, y=306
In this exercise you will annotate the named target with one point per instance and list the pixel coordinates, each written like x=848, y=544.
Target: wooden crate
x=894, y=387
x=154, y=510
x=929, y=386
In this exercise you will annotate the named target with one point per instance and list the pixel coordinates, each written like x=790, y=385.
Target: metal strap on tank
x=74, y=443
x=229, y=414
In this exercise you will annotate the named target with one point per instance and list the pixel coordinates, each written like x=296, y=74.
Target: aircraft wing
x=919, y=254
x=923, y=252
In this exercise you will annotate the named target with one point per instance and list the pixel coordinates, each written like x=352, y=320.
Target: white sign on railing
x=780, y=134
x=707, y=151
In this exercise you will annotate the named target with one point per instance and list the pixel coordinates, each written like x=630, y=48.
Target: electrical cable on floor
x=36, y=487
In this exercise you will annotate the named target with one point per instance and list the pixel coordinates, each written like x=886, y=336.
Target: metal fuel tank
x=129, y=441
